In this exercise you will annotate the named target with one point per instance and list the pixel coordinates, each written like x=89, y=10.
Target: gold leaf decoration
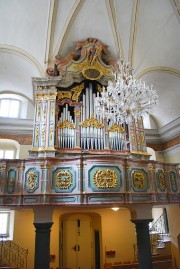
x=92, y=122
x=115, y=127
x=66, y=124
x=105, y=178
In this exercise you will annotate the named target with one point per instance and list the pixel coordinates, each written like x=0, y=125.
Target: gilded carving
x=51, y=133
x=43, y=134
x=63, y=179
x=92, y=71
x=161, y=181
x=115, y=127
x=37, y=133
x=52, y=109
x=64, y=94
x=31, y=180
x=76, y=91
x=73, y=94
x=105, y=178
x=66, y=124
x=38, y=110
x=139, y=180
x=44, y=111
x=92, y=122
x=10, y=182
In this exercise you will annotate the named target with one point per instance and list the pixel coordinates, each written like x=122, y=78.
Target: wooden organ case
x=65, y=117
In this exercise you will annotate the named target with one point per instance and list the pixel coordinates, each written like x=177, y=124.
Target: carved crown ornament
x=90, y=60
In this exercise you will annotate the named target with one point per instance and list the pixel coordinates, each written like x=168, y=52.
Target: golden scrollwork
x=31, y=180
x=161, y=181
x=72, y=94
x=105, y=178
x=63, y=179
x=11, y=182
x=139, y=180
x=115, y=127
x=66, y=124
x=76, y=91
x=64, y=94
x=92, y=122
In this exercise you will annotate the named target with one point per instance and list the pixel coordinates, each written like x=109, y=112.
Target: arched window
x=9, y=108
x=9, y=149
x=13, y=106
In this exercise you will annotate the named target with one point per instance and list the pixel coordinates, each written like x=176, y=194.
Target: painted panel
x=161, y=182
x=11, y=181
x=63, y=179
x=173, y=181
x=139, y=180
x=31, y=180
x=103, y=178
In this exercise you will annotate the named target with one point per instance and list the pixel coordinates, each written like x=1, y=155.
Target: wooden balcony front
x=87, y=179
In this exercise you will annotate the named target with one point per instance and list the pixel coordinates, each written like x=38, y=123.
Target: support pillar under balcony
x=143, y=243
x=42, y=245
x=42, y=223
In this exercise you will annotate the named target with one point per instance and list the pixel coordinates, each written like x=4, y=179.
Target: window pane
x=9, y=108
x=1, y=153
x=14, y=109
x=9, y=154
x=4, y=223
x=4, y=107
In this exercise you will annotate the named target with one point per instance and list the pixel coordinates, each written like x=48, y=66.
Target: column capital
x=43, y=226
x=43, y=214
x=141, y=221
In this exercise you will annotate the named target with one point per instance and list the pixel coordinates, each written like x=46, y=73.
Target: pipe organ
x=92, y=131
x=65, y=118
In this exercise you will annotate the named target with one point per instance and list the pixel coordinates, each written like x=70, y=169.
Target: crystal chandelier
x=126, y=97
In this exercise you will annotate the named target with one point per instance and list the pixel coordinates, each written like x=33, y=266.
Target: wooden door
x=76, y=244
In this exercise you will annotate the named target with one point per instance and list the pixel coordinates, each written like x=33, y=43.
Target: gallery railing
x=12, y=255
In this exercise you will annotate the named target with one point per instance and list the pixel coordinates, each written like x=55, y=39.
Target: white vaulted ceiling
x=144, y=32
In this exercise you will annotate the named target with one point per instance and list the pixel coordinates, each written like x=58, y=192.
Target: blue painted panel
x=105, y=178
x=63, y=179
x=11, y=181
x=173, y=181
x=31, y=180
x=139, y=180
